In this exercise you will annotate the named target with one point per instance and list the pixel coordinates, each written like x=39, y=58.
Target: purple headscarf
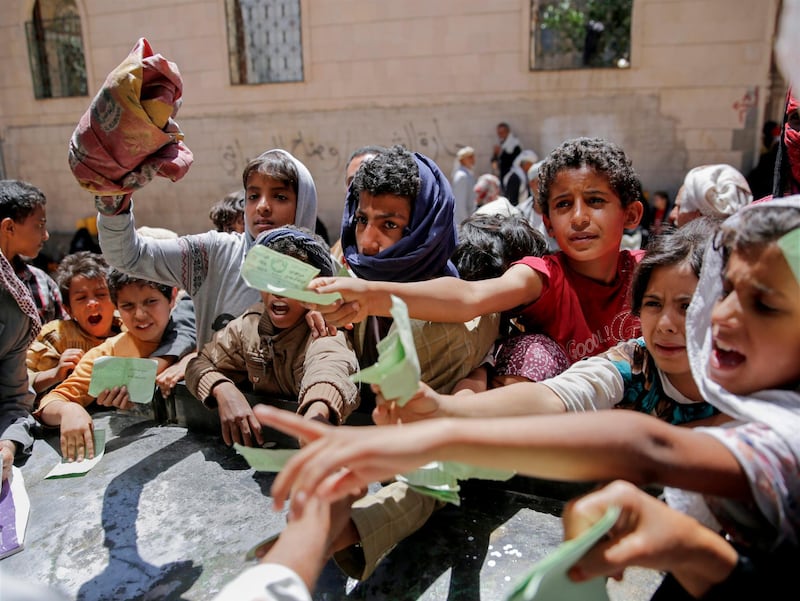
x=424, y=250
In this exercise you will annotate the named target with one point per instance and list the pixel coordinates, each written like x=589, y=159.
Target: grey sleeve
x=180, y=337
x=16, y=396
x=181, y=262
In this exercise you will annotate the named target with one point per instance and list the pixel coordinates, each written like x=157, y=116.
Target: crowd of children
x=700, y=329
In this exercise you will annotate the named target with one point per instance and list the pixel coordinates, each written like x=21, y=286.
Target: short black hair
x=372, y=149
x=19, y=199
x=276, y=165
x=604, y=157
x=80, y=264
x=392, y=171
x=489, y=244
x=117, y=280
x=756, y=228
x=224, y=212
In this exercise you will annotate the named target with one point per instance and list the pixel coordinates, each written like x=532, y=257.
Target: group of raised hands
x=337, y=462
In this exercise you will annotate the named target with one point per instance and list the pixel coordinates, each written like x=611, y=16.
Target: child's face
x=90, y=305
x=380, y=221
x=283, y=312
x=586, y=215
x=144, y=311
x=28, y=237
x=755, y=324
x=269, y=203
x=663, y=317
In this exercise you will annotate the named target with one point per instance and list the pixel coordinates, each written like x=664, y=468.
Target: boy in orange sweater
x=144, y=308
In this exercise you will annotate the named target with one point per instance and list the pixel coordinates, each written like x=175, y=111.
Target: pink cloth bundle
x=128, y=136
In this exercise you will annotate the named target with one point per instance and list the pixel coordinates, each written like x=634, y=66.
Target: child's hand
x=8, y=449
x=425, y=404
x=67, y=362
x=115, y=397
x=319, y=328
x=77, y=436
x=343, y=313
x=236, y=416
x=170, y=376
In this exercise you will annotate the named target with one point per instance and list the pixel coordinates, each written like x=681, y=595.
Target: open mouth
x=727, y=357
x=94, y=319
x=280, y=308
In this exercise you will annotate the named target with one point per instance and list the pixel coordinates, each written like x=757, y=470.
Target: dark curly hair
x=80, y=264
x=392, y=171
x=117, y=280
x=602, y=156
x=489, y=244
x=223, y=213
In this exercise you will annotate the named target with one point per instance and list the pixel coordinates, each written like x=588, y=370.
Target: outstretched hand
x=337, y=461
x=342, y=313
x=649, y=534
x=425, y=404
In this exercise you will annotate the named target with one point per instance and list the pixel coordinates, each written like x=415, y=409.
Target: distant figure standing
x=505, y=151
x=515, y=183
x=463, y=182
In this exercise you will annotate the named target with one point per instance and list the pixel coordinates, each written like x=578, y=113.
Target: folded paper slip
x=270, y=271
x=397, y=370
x=128, y=136
x=137, y=374
x=548, y=578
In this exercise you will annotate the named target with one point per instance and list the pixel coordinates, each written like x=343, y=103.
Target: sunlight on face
x=756, y=324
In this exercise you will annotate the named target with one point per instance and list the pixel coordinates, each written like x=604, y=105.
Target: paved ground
x=169, y=514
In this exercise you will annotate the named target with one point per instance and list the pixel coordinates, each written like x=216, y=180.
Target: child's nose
x=263, y=205
x=726, y=309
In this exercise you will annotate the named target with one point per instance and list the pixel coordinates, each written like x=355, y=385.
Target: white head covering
x=528, y=156
x=779, y=409
x=714, y=190
x=306, y=209
x=533, y=170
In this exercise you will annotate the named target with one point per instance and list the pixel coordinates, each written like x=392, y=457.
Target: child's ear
x=174, y=298
x=633, y=214
x=7, y=225
x=546, y=221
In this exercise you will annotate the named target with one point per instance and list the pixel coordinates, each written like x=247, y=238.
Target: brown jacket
x=288, y=364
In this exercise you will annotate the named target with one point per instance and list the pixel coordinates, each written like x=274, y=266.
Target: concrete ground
x=169, y=513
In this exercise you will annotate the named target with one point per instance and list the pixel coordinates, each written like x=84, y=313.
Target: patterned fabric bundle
x=128, y=136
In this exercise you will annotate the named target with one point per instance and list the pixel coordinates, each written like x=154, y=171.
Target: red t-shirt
x=584, y=316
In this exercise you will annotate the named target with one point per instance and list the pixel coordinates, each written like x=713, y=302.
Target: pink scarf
x=21, y=294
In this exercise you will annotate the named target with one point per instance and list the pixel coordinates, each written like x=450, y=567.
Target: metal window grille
x=264, y=41
x=580, y=34
x=55, y=50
